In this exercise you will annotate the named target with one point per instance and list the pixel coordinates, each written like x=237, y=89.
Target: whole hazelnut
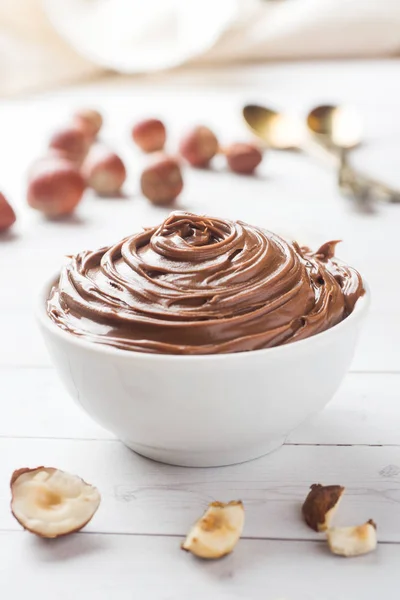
x=161, y=181
x=7, y=214
x=199, y=146
x=104, y=171
x=243, y=158
x=55, y=186
x=150, y=135
x=89, y=121
x=71, y=143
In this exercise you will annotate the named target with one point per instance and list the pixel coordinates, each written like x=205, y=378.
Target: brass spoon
x=338, y=129
x=281, y=131
x=333, y=127
x=278, y=131
x=332, y=131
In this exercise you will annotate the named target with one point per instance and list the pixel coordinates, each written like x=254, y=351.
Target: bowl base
x=181, y=458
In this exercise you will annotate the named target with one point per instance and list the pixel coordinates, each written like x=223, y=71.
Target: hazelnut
x=71, y=143
x=217, y=532
x=321, y=504
x=161, y=181
x=104, y=171
x=89, y=121
x=7, y=214
x=199, y=146
x=243, y=158
x=50, y=502
x=353, y=541
x=149, y=135
x=55, y=186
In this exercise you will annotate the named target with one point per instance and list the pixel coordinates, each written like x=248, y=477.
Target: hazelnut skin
x=161, y=181
x=89, y=121
x=55, y=186
x=243, y=158
x=150, y=135
x=199, y=146
x=70, y=143
x=104, y=172
x=7, y=214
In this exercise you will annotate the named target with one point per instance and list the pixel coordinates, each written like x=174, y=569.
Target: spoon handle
x=352, y=182
x=362, y=186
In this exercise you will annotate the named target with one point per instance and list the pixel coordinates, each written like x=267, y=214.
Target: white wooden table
x=131, y=548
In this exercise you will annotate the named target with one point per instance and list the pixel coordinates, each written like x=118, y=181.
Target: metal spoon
x=278, y=131
x=338, y=129
x=332, y=131
x=281, y=131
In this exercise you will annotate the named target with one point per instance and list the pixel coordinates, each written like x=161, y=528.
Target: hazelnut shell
x=7, y=214
x=217, y=532
x=150, y=135
x=55, y=186
x=104, y=171
x=32, y=496
x=243, y=158
x=161, y=181
x=320, y=505
x=198, y=146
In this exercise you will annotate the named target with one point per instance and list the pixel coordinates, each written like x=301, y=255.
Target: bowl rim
x=359, y=312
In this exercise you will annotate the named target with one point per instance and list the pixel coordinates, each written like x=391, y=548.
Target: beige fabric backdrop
x=49, y=42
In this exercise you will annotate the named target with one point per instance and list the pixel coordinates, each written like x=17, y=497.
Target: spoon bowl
x=277, y=130
x=335, y=126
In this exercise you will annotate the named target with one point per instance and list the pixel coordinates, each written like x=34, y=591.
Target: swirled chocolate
x=199, y=285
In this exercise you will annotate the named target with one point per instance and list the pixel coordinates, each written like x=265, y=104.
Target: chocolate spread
x=202, y=285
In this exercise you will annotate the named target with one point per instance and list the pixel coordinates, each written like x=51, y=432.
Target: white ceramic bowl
x=202, y=411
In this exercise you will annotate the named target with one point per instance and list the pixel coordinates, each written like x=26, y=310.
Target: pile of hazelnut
x=76, y=159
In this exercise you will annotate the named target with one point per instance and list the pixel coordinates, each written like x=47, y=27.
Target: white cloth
x=53, y=41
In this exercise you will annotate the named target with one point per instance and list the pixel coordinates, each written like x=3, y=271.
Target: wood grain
x=141, y=496
x=154, y=568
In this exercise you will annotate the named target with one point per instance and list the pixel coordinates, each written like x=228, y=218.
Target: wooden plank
x=362, y=412
x=21, y=343
x=141, y=496
x=154, y=568
x=38, y=406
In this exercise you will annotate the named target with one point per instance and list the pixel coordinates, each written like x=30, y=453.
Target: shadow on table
x=68, y=547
